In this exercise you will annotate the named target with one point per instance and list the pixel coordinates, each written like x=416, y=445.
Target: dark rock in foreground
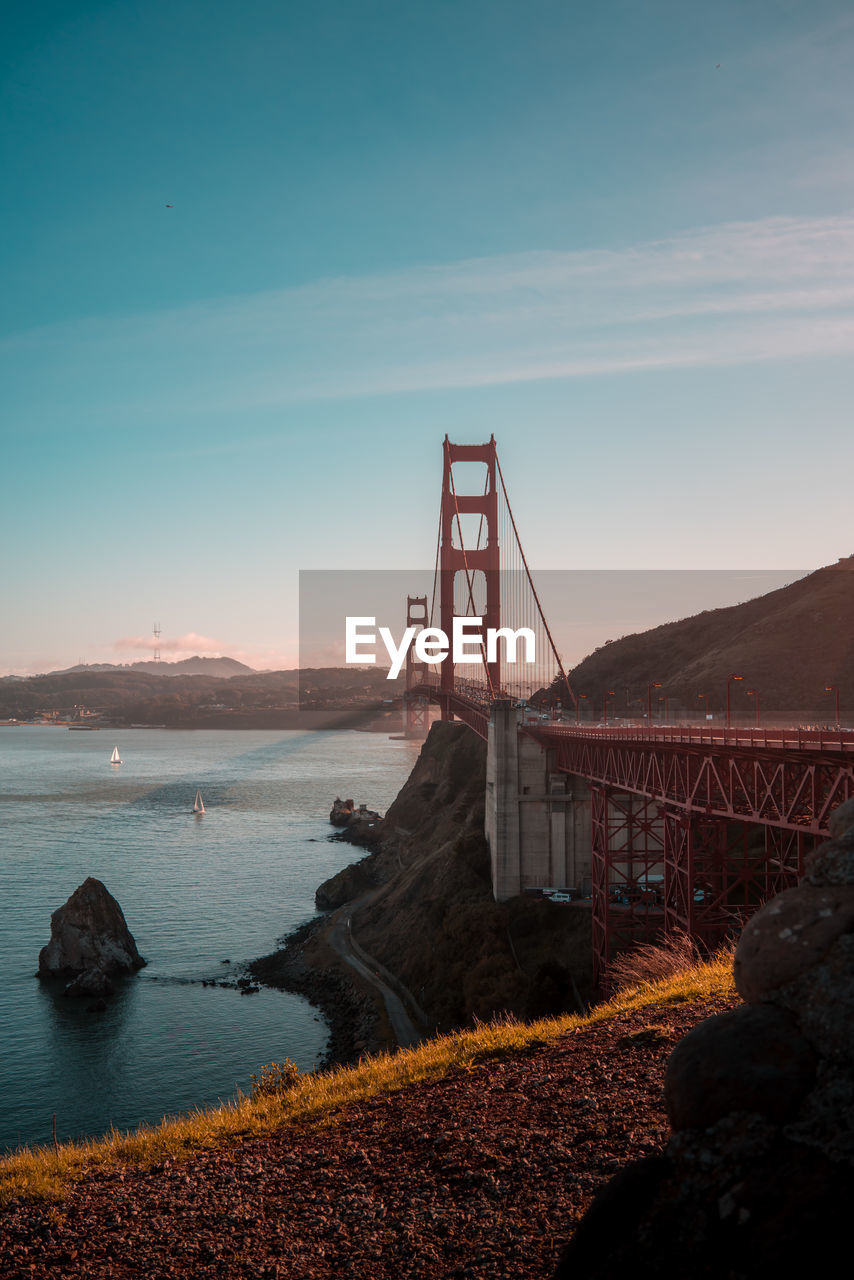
x=89, y=939
x=758, y=1176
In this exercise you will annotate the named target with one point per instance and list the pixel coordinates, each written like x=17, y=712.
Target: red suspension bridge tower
x=482, y=558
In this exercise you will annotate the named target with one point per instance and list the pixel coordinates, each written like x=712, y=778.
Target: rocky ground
x=482, y=1174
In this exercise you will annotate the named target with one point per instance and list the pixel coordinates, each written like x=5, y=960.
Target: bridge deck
x=777, y=739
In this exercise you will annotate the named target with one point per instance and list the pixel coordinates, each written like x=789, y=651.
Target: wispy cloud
x=173, y=647
x=189, y=643
x=773, y=289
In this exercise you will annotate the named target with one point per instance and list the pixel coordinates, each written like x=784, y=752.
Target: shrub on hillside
x=275, y=1077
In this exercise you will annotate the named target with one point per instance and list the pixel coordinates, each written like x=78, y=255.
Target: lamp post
x=729, y=681
x=609, y=693
x=833, y=688
x=666, y=716
x=751, y=693
x=705, y=698
x=655, y=684
x=582, y=697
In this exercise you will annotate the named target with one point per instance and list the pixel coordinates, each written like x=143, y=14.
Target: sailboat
x=199, y=806
x=115, y=758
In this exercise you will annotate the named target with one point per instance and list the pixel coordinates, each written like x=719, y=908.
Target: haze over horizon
x=258, y=263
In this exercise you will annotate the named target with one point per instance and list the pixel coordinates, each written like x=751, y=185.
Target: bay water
x=201, y=895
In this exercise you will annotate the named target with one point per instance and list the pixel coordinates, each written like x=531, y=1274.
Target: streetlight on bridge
x=582, y=697
x=609, y=693
x=705, y=698
x=655, y=684
x=751, y=693
x=833, y=688
x=729, y=681
x=665, y=700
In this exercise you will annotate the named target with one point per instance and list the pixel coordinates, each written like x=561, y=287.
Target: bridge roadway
x=790, y=778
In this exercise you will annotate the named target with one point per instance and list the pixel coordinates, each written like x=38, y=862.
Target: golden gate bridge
x=682, y=829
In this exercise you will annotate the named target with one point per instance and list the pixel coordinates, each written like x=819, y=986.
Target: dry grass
x=650, y=962
x=319, y=1098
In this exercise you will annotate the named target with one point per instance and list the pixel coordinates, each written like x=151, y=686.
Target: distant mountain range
x=220, y=668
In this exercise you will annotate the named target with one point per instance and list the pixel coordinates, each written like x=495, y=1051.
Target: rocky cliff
x=431, y=919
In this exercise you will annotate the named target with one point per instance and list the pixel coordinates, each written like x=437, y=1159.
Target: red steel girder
x=789, y=788
x=628, y=876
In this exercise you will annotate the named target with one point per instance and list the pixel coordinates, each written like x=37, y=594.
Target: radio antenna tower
x=157, y=642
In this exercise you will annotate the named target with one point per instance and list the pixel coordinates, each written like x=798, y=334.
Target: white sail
x=115, y=758
x=198, y=807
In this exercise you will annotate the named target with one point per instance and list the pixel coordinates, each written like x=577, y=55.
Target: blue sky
x=620, y=237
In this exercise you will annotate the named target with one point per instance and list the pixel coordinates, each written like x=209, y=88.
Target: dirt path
x=340, y=939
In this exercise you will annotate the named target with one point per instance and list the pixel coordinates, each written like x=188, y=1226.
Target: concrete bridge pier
x=538, y=820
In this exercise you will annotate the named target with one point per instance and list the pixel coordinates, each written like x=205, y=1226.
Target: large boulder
x=89, y=935
x=749, y=1059
x=759, y=1172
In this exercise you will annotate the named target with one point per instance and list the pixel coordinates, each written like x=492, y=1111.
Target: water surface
x=196, y=892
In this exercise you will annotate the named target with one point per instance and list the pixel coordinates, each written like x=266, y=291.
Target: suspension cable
x=531, y=584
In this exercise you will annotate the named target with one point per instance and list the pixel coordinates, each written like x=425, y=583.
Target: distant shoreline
x=366, y=719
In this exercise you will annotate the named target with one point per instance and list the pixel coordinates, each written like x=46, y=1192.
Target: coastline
x=307, y=966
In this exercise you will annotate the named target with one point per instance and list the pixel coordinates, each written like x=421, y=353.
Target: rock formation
x=758, y=1177
x=89, y=940
x=344, y=813
x=341, y=812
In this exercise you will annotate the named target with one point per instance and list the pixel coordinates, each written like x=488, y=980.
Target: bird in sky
x=170, y=206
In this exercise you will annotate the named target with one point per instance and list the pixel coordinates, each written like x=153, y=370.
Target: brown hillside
x=484, y=1172
x=788, y=645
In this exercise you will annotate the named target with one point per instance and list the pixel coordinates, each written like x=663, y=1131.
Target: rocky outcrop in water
x=758, y=1177
x=89, y=941
x=341, y=812
x=357, y=820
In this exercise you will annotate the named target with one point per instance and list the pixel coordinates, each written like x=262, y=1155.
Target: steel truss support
x=628, y=874
x=783, y=788
x=713, y=876
x=717, y=873
x=785, y=854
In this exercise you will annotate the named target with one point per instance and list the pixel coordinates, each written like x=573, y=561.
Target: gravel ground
x=481, y=1174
